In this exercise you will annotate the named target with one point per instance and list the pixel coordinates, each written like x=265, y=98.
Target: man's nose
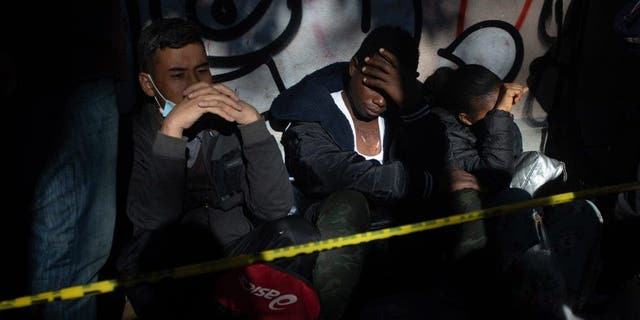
x=192, y=77
x=380, y=100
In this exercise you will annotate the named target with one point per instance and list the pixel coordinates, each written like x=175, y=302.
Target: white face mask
x=168, y=104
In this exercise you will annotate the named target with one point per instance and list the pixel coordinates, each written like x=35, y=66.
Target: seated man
x=207, y=181
x=343, y=124
x=474, y=106
x=344, y=131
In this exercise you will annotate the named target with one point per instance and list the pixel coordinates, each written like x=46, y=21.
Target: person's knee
x=297, y=229
x=350, y=205
x=346, y=209
x=348, y=197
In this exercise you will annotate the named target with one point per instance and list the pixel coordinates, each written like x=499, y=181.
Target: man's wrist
x=251, y=119
x=170, y=130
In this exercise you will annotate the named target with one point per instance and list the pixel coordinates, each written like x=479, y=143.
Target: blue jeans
x=74, y=203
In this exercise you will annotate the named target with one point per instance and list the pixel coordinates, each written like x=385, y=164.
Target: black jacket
x=319, y=150
x=220, y=182
x=487, y=149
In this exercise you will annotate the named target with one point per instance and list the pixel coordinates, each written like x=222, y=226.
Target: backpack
x=544, y=71
x=573, y=232
x=557, y=276
x=627, y=26
x=263, y=291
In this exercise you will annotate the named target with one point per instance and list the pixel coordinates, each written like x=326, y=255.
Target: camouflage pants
x=337, y=271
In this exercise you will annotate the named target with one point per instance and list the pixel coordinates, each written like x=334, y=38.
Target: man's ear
x=464, y=118
x=145, y=84
x=353, y=66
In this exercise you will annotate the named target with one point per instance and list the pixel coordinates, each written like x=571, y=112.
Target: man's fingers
x=201, y=88
x=376, y=83
x=202, y=91
x=377, y=61
x=511, y=93
x=389, y=57
x=372, y=72
x=222, y=113
x=219, y=108
x=515, y=86
x=195, y=87
x=210, y=100
x=226, y=90
x=519, y=93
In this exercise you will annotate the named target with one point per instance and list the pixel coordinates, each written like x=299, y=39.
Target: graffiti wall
x=261, y=47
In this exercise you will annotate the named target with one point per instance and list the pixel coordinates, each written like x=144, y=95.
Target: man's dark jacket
x=487, y=149
x=212, y=185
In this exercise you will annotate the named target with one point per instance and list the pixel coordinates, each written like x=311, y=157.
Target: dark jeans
x=288, y=231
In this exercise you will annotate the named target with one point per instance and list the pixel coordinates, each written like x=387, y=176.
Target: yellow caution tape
x=107, y=286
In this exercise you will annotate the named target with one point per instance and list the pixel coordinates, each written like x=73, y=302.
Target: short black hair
x=434, y=83
x=161, y=33
x=395, y=39
x=465, y=86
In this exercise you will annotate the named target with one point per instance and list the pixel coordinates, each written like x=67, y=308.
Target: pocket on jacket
x=228, y=176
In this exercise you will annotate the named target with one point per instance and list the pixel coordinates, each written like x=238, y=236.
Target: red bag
x=264, y=292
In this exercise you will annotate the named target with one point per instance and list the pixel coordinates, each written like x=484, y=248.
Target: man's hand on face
x=383, y=72
x=510, y=95
x=239, y=112
x=202, y=97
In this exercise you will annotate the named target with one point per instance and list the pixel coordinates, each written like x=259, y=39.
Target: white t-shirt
x=337, y=98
